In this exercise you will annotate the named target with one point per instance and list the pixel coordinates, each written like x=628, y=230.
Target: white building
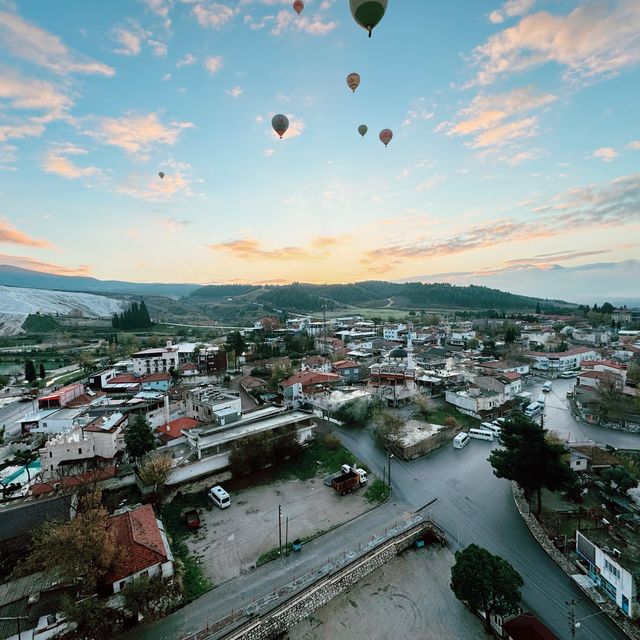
x=156, y=360
x=610, y=562
x=102, y=439
x=213, y=404
x=563, y=360
x=394, y=331
x=476, y=402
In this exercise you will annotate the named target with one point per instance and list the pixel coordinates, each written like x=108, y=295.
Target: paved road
x=11, y=414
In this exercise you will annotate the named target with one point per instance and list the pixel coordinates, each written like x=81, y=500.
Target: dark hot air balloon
x=362, y=130
x=385, y=136
x=298, y=6
x=280, y=124
x=368, y=13
x=161, y=174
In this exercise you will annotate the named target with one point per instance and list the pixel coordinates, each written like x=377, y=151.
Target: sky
x=515, y=160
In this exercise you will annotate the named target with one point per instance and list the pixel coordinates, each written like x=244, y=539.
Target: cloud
x=135, y=132
x=33, y=44
x=606, y=154
x=296, y=127
x=634, y=146
x=25, y=262
x=510, y=9
x=561, y=256
x=417, y=112
x=8, y=157
x=11, y=235
x=268, y=152
x=30, y=94
x=596, y=39
x=610, y=205
x=212, y=14
x=213, y=64
x=251, y=249
x=166, y=77
x=56, y=161
x=131, y=39
x=173, y=224
x=176, y=182
x=186, y=61
x=236, y=92
x=431, y=182
x=159, y=7
x=491, y=120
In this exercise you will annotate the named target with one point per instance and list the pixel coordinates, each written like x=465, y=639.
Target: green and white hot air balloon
x=367, y=13
x=362, y=130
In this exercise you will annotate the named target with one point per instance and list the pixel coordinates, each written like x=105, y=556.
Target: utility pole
x=286, y=537
x=279, y=530
x=389, y=472
x=572, y=615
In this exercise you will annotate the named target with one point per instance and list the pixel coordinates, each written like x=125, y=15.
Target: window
x=612, y=569
x=79, y=450
x=609, y=589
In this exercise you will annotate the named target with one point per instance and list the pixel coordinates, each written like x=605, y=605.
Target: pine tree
x=29, y=371
x=538, y=308
x=43, y=373
x=139, y=438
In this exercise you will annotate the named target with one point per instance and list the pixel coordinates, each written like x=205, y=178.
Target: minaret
x=410, y=363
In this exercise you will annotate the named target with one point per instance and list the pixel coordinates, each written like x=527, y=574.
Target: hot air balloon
x=367, y=13
x=385, y=136
x=280, y=124
x=161, y=174
x=362, y=130
x=298, y=6
x=353, y=80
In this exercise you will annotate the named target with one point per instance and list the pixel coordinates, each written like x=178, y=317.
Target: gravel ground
x=408, y=597
x=231, y=540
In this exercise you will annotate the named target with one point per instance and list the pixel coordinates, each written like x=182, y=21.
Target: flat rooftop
x=622, y=538
x=416, y=431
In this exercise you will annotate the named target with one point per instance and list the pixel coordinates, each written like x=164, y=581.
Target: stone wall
x=276, y=622
x=627, y=627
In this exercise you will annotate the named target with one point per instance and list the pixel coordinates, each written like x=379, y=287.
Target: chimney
x=166, y=408
x=169, y=344
x=168, y=427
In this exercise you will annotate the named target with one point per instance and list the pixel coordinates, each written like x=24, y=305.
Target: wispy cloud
x=212, y=14
x=606, y=154
x=431, y=182
x=177, y=183
x=8, y=157
x=496, y=120
x=417, y=112
x=511, y=9
x=251, y=249
x=33, y=44
x=235, y=92
x=25, y=262
x=57, y=161
x=186, y=61
x=213, y=64
x=10, y=235
x=596, y=39
x=135, y=132
x=173, y=224
x=634, y=145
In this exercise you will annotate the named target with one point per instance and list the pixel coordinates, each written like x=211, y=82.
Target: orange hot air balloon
x=280, y=124
x=353, y=80
x=298, y=6
x=385, y=136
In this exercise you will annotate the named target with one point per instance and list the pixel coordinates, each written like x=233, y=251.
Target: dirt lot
x=408, y=597
x=231, y=540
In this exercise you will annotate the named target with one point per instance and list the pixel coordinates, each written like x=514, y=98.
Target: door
x=625, y=605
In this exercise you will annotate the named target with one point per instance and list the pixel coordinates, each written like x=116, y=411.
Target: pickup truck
x=349, y=480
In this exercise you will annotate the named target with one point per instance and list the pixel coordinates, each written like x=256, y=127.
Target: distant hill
x=377, y=294
x=18, y=277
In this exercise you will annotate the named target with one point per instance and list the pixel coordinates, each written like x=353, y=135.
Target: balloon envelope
x=368, y=13
x=385, y=136
x=353, y=80
x=362, y=130
x=280, y=124
x=161, y=174
x=298, y=6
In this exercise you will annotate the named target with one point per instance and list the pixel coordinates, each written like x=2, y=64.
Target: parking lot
x=231, y=540
x=409, y=597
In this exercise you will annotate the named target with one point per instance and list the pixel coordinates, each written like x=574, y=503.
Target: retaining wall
x=276, y=622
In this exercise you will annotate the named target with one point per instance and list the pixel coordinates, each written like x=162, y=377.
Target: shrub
x=331, y=441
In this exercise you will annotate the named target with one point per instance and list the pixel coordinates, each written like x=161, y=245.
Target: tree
x=137, y=595
x=155, y=472
x=510, y=334
x=633, y=373
x=139, y=438
x=43, y=373
x=92, y=617
x=29, y=371
x=25, y=457
x=135, y=317
x=84, y=546
x=389, y=429
x=85, y=361
x=606, y=308
x=423, y=407
x=619, y=479
x=538, y=308
x=485, y=582
x=236, y=343
x=529, y=458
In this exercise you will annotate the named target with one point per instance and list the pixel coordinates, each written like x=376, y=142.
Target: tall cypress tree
x=30, y=371
x=43, y=373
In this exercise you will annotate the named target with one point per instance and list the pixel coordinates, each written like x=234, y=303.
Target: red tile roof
x=310, y=377
x=188, y=366
x=84, y=399
x=345, y=364
x=125, y=378
x=156, y=377
x=527, y=627
x=137, y=534
x=69, y=482
x=175, y=427
x=511, y=375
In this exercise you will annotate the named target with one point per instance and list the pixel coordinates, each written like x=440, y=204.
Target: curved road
x=474, y=506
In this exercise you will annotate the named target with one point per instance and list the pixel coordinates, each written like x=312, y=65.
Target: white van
x=533, y=409
x=481, y=434
x=461, y=440
x=541, y=399
x=493, y=427
x=547, y=386
x=219, y=497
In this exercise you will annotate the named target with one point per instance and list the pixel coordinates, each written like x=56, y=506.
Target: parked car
x=192, y=519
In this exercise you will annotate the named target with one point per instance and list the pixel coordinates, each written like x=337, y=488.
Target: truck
x=349, y=480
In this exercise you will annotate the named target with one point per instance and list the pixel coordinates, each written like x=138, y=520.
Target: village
x=211, y=457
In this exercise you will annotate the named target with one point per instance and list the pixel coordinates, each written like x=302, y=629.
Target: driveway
x=391, y=603
x=231, y=540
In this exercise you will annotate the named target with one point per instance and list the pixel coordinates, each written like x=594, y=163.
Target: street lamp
x=389, y=471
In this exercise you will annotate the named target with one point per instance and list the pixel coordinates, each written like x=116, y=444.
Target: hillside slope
x=17, y=303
